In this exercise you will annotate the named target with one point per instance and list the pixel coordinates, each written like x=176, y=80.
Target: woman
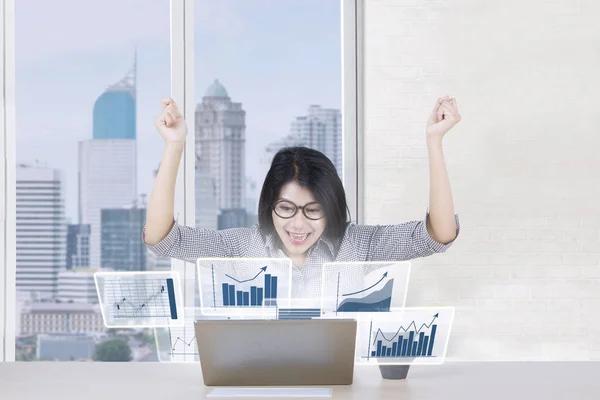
x=302, y=211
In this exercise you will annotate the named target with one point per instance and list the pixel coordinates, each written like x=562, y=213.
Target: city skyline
x=277, y=59
x=58, y=84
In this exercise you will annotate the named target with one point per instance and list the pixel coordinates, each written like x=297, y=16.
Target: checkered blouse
x=397, y=242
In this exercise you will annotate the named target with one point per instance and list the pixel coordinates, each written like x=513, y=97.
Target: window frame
x=182, y=91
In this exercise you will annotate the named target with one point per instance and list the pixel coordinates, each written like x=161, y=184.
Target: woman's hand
x=443, y=117
x=170, y=123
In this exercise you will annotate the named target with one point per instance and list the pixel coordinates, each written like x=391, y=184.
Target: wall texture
x=524, y=274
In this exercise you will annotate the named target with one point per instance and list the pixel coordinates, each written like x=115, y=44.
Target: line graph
x=364, y=290
x=132, y=298
x=232, y=286
x=363, y=286
x=142, y=299
x=417, y=330
x=409, y=335
x=376, y=300
x=182, y=340
x=263, y=269
x=404, y=347
x=188, y=344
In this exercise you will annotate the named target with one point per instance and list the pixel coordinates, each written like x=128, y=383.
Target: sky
x=276, y=57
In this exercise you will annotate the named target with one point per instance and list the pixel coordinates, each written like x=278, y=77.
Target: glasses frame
x=297, y=207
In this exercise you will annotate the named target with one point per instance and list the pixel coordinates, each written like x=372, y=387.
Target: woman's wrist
x=174, y=146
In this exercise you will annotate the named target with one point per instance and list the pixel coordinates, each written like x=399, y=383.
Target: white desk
x=149, y=381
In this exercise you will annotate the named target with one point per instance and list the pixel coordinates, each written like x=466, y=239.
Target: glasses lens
x=313, y=211
x=285, y=209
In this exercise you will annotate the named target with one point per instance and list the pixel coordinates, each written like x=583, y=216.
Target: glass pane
x=90, y=77
x=268, y=75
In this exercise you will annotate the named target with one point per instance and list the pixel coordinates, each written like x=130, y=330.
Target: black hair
x=312, y=170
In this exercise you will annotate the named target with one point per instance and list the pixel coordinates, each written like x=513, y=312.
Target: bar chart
x=144, y=299
x=243, y=286
x=417, y=335
x=404, y=345
x=256, y=296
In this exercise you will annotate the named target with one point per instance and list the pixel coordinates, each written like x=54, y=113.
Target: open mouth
x=298, y=238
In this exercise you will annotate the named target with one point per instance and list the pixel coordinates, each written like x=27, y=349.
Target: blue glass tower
x=115, y=109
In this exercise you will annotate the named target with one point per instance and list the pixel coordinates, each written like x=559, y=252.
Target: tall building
x=252, y=195
x=320, y=129
x=77, y=286
x=206, y=195
x=41, y=230
x=221, y=141
x=157, y=263
x=115, y=110
x=122, y=246
x=78, y=246
x=108, y=162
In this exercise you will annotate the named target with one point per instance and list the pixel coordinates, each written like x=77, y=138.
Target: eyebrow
x=310, y=202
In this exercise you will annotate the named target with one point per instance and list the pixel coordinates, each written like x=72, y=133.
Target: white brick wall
x=524, y=165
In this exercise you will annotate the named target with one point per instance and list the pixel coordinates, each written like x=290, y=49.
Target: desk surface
x=148, y=381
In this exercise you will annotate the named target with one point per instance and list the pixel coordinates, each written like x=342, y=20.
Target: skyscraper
x=78, y=246
x=115, y=110
x=320, y=129
x=108, y=162
x=206, y=200
x=41, y=230
x=221, y=143
x=122, y=246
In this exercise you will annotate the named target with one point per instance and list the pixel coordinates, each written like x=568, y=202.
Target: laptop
x=276, y=352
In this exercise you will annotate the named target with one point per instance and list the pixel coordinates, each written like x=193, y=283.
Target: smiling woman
x=302, y=212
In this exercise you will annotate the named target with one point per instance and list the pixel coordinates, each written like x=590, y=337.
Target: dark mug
x=391, y=371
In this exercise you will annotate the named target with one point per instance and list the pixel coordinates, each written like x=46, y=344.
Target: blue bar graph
x=225, y=295
x=406, y=347
x=433, y=329
x=259, y=296
x=253, y=297
x=421, y=340
x=424, y=353
x=171, y=292
x=267, y=286
x=273, y=287
x=399, y=348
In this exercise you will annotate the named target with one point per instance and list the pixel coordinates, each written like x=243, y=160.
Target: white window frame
x=182, y=91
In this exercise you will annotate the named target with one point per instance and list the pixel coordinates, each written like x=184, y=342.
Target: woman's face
x=297, y=233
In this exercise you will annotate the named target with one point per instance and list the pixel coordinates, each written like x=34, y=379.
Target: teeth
x=298, y=237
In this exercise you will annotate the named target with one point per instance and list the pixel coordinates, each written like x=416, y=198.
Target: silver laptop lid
x=276, y=352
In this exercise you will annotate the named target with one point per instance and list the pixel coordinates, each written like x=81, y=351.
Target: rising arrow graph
x=263, y=269
x=404, y=329
x=370, y=287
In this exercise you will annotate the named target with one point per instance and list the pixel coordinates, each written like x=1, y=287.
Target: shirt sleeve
x=399, y=242
x=188, y=244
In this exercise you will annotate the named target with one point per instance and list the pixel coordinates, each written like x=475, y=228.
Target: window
x=268, y=74
x=86, y=98
x=79, y=112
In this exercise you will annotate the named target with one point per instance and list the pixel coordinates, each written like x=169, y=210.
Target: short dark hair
x=312, y=170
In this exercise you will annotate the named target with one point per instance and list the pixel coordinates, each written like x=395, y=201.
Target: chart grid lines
x=141, y=298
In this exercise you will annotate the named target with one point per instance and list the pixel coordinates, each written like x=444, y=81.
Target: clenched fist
x=443, y=117
x=170, y=123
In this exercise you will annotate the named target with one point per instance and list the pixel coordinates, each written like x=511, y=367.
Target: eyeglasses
x=287, y=209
